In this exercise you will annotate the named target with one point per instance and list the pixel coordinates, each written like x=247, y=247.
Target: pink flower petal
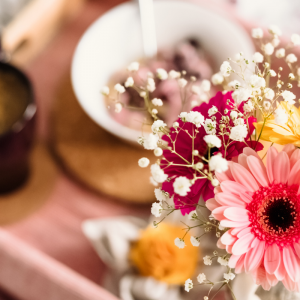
x=244, y=177
x=271, y=156
x=229, y=200
x=235, y=231
x=272, y=258
x=232, y=187
x=272, y=280
x=243, y=244
x=289, y=149
x=243, y=232
x=239, y=267
x=243, y=161
x=249, y=151
x=280, y=273
x=233, y=260
x=225, y=175
x=218, y=212
x=220, y=245
x=291, y=263
x=260, y=278
x=281, y=168
x=246, y=197
x=254, y=257
x=289, y=284
x=294, y=177
x=211, y=204
x=258, y=170
x=232, y=224
x=237, y=214
x=229, y=249
x=217, y=190
x=297, y=249
x=255, y=242
x=295, y=157
x=228, y=239
x=297, y=287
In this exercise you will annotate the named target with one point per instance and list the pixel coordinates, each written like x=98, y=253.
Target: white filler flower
x=217, y=79
x=119, y=88
x=157, y=102
x=158, y=151
x=258, y=57
x=195, y=117
x=281, y=117
x=156, y=209
x=179, y=243
x=129, y=82
x=158, y=174
x=207, y=260
x=291, y=58
x=212, y=141
x=288, y=97
x=201, y=277
x=229, y=276
x=257, y=33
x=188, y=285
x=150, y=84
x=212, y=111
x=182, y=186
x=238, y=133
x=160, y=195
x=218, y=164
x=150, y=143
x=162, y=74
x=295, y=39
x=134, y=66
x=193, y=215
x=222, y=261
x=195, y=242
x=158, y=126
x=144, y=162
x=280, y=53
x=118, y=107
x=225, y=68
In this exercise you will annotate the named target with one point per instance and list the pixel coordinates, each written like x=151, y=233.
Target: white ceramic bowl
x=114, y=40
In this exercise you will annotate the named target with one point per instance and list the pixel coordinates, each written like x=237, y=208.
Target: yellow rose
x=156, y=255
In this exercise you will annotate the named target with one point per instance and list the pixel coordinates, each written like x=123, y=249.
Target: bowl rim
x=106, y=121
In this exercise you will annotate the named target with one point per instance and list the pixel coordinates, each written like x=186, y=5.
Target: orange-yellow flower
x=156, y=255
x=282, y=134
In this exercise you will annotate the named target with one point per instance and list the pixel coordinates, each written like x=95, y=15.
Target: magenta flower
x=183, y=144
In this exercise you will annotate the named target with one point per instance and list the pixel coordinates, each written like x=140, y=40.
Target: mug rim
x=31, y=100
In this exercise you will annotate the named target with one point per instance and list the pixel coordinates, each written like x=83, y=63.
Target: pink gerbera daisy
x=261, y=206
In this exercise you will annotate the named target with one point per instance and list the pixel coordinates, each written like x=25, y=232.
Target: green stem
x=262, y=128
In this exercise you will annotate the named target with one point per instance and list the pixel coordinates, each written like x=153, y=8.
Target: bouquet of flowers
x=212, y=153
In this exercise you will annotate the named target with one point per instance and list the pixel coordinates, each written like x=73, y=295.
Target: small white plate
x=114, y=40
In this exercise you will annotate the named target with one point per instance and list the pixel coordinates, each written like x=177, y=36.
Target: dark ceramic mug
x=16, y=140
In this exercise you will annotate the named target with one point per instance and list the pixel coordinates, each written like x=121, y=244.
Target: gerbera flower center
x=279, y=214
x=273, y=213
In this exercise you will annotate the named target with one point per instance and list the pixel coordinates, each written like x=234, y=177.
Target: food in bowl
x=174, y=83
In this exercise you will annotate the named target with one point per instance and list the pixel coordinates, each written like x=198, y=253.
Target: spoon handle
x=148, y=27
